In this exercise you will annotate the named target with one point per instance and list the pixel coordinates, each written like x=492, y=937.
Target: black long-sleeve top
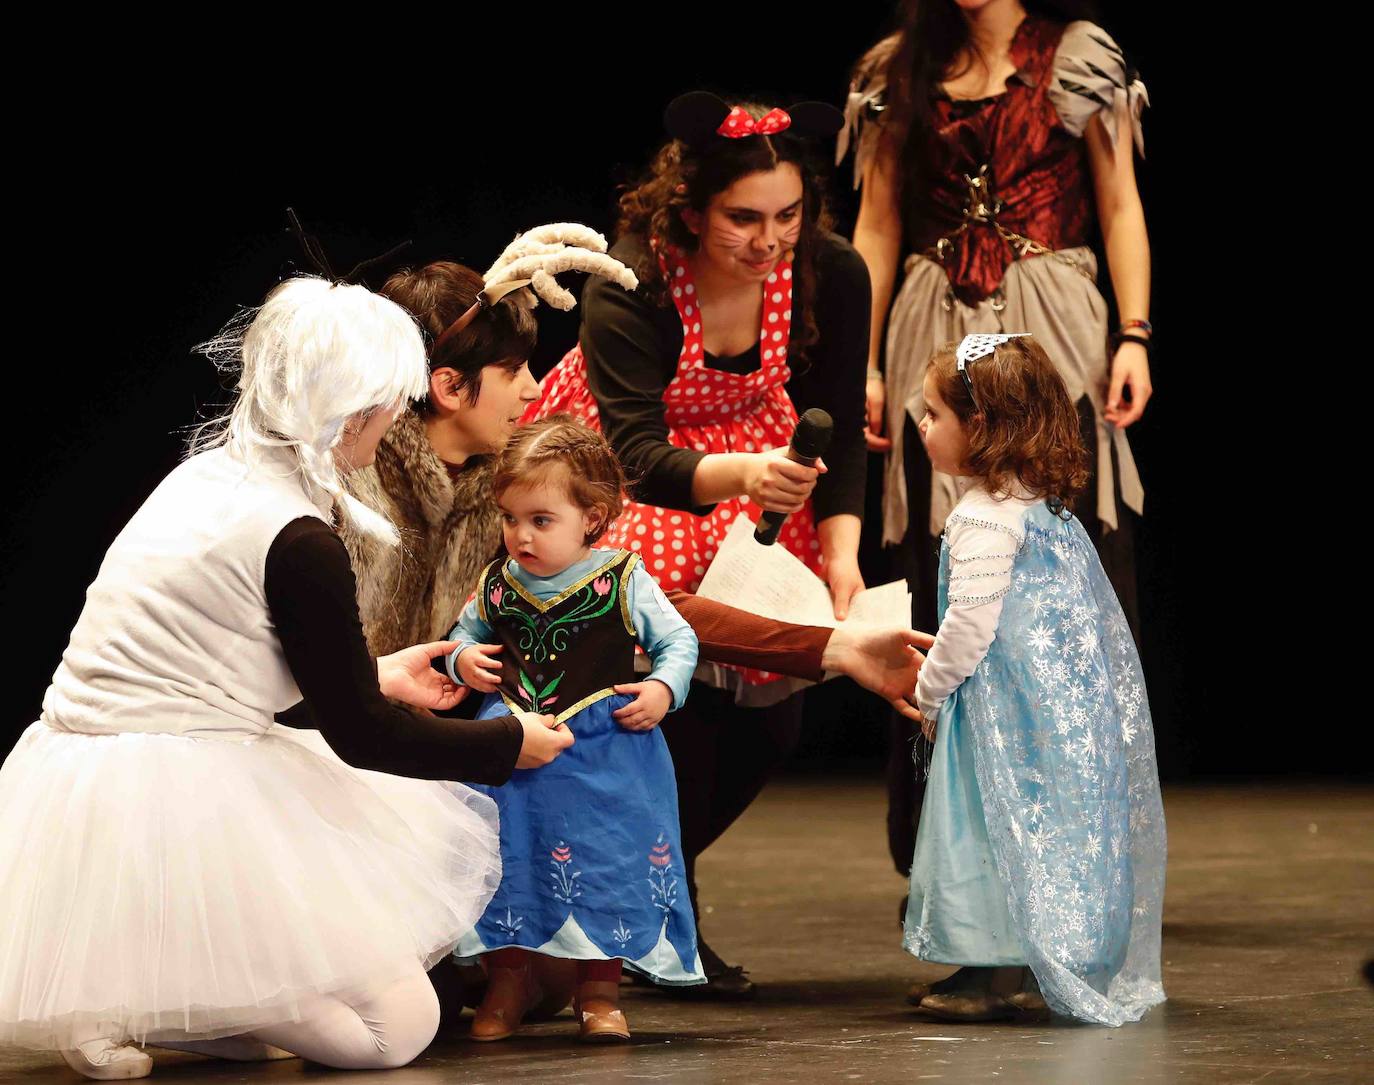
x=312, y=598
x=632, y=346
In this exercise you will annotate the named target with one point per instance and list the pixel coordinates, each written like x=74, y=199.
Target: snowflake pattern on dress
x=708, y=410
x=1064, y=758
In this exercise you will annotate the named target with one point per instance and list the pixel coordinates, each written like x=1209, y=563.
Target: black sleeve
x=312, y=598
x=832, y=375
x=629, y=364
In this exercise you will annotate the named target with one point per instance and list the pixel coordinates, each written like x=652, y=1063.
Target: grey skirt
x=1055, y=298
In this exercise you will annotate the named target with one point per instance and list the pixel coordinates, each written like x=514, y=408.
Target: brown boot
x=599, y=1018
x=510, y=992
x=601, y=1023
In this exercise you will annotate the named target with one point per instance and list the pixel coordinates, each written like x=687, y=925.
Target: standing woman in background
x=749, y=311
x=990, y=136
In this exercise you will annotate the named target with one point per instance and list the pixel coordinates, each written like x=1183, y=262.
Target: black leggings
x=919, y=562
x=723, y=754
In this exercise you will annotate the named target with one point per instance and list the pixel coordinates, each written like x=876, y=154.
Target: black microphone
x=809, y=441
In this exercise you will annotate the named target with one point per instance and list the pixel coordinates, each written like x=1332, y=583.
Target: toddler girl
x=1041, y=840
x=590, y=850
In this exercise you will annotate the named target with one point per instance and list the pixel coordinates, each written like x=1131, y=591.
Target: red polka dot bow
x=739, y=124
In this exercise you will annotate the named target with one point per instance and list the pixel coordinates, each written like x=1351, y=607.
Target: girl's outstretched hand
x=652, y=700
x=407, y=676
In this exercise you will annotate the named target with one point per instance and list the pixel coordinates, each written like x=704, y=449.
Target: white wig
x=313, y=356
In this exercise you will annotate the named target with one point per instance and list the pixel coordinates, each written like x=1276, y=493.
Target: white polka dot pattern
x=710, y=411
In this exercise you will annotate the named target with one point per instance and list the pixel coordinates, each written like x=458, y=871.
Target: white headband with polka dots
x=979, y=345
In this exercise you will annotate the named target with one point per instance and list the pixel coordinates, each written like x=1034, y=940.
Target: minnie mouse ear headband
x=314, y=252
x=532, y=260
x=699, y=117
x=979, y=345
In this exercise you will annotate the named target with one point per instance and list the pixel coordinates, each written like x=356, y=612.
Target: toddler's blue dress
x=1042, y=838
x=590, y=850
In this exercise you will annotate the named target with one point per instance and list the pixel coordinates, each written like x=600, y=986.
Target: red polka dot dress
x=711, y=411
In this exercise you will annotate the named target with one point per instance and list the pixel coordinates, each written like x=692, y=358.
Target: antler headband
x=314, y=252
x=699, y=117
x=532, y=260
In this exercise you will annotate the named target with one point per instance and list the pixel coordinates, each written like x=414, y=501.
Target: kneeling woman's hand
x=407, y=676
x=652, y=700
x=544, y=739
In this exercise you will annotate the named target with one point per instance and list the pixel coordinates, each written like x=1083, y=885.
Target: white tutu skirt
x=172, y=886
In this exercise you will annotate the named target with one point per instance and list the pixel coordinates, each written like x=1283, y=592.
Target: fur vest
x=449, y=530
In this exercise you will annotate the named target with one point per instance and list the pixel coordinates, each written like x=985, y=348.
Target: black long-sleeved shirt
x=632, y=346
x=312, y=598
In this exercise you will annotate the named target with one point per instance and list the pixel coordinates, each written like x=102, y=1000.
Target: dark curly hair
x=560, y=447
x=1024, y=427
x=682, y=176
x=438, y=294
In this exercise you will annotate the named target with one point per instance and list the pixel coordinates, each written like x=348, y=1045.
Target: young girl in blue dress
x=590, y=851
x=1040, y=854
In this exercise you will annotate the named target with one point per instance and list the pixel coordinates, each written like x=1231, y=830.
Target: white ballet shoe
x=108, y=1060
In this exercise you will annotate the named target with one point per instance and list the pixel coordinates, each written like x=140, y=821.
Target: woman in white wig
x=177, y=871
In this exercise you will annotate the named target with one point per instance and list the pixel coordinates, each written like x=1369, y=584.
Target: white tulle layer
x=172, y=886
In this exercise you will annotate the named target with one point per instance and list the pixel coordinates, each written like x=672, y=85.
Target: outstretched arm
x=886, y=661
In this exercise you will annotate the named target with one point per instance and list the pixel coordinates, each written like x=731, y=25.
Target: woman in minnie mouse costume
x=748, y=311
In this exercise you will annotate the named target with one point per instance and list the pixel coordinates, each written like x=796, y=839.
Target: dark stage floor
x=1268, y=918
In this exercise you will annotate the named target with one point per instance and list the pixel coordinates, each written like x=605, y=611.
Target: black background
x=161, y=209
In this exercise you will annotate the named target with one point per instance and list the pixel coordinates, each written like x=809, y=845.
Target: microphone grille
x=812, y=436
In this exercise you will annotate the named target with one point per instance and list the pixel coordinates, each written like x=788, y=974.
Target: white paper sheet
x=770, y=582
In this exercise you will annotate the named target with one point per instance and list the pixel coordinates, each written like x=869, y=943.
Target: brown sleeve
x=735, y=636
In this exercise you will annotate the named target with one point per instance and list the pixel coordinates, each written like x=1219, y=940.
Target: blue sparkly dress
x=1042, y=838
x=590, y=849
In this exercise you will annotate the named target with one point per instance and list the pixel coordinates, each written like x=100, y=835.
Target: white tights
x=379, y=1031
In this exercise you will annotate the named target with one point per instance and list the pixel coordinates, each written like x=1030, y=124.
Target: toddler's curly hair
x=1024, y=428
x=561, y=450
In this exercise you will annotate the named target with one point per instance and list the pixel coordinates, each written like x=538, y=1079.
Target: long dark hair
x=930, y=38
x=682, y=176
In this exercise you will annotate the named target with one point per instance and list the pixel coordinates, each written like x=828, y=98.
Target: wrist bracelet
x=1143, y=325
x=875, y=374
x=1126, y=337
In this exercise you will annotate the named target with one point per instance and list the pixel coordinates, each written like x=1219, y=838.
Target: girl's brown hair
x=682, y=176
x=1023, y=428
x=560, y=447
x=438, y=294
